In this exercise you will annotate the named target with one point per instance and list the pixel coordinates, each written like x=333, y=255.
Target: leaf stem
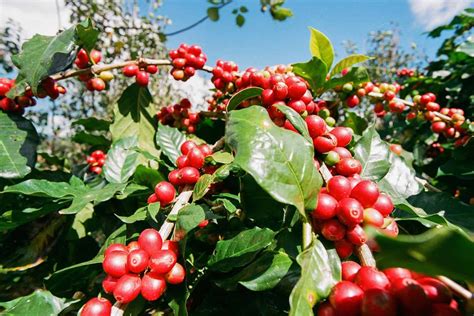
x=307, y=234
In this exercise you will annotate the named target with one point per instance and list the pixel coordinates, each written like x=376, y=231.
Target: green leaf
x=321, y=47
x=87, y=34
x=280, y=14
x=84, y=137
x=80, y=218
x=356, y=76
x=39, y=302
x=239, y=20
x=213, y=14
x=16, y=217
x=439, y=251
x=443, y=204
x=296, y=120
x=262, y=274
x=147, y=176
x=201, y=187
x=243, y=95
x=320, y=271
x=314, y=71
x=170, y=139
x=93, y=124
x=240, y=250
x=139, y=215
x=133, y=116
x=467, y=47
x=222, y=157
x=189, y=218
x=243, y=9
x=348, y=62
x=357, y=123
x=279, y=160
x=121, y=161
x=373, y=154
x=18, y=141
x=152, y=210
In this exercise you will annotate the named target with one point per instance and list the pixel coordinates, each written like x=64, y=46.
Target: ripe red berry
x=366, y=192
x=174, y=178
x=96, y=56
x=425, y=99
x=316, y=125
x=137, y=260
x=153, y=286
x=371, y=278
x=152, y=199
x=346, y=298
x=97, y=84
x=176, y=275
x=150, y=241
x=339, y=187
x=343, y=152
x=343, y=135
x=350, y=212
x=296, y=90
x=378, y=302
x=205, y=149
x=356, y=235
x=127, y=289
x=297, y=105
x=438, y=127
x=373, y=217
x=189, y=175
x=133, y=245
x=171, y=245
x=383, y=204
x=391, y=230
x=130, y=70
x=436, y=290
x=97, y=306
x=344, y=248
x=115, y=247
x=187, y=146
x=352, y=101
x=324, y=143
x=152, y=69
x=348, y=167
x=397, y=273
x=325, y=309
x=115, y=263
x=195, y=158
x=349, y=270
x=108, y=284
x=411, y=296
x=280, y=90
x=182, y=161
x=165, y=192
x=326, y=207
x=396, y=149
x=163, y=261
x=333, y=230
x=142, y=78
x=444, y=310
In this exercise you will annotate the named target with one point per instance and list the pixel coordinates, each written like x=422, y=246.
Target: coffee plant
x=279, y=198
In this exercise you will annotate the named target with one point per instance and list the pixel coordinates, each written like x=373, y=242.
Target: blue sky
x=262, y=41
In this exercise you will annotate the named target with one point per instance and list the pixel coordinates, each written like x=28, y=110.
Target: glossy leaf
x=137, y=216
x=279, y=160
x=86, y=138
x=202, y=186
x=189, y=218
x=213, y=14
x=39, y=302
x=121, y=161
x=356, y=76
x=357, y=123
x=222, y=157
x=18, y=141
x=243, y=95
x=296, y=120
x=321, y=47
x=348, y=62
x=169, y=139
x=93, y=124
x=241, y=249
x=373, y=153
x=320, y=271
x=314, y=71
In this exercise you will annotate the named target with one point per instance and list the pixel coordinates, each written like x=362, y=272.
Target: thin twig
x=181, y=200
x=118, y=309
x=365, y=256
x=456, y=288
x=219, y=115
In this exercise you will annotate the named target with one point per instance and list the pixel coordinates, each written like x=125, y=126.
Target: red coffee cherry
x=352, y=101
x=182, y=162
x=348, y=167
x=371, y=278
x=187, y=146
x=344, y=248
x=115, y=247
x=108, y=284
x=189, y=175
x=142, y=78
x=137, y=260
x=130, y=70
x=296, y=90
x=150, y=241
x=378, y=302
x=176, y=275
x=127, y=289
x=165, y=192
x=326, y=207
x=339, y=187
x=444, y=310
x=195, y=158
x=316, y=125
x=115, y=263
x=343, y=152
x=163, y=261
x=350, y=212
x=133, y=245
x=349, y=270
x=325, y=309
x=171, y=245
x=391, y=230
x=205, y=149
x=96, y=56
x=397, y=273
x=152, y=69
x=333, y=230
x=324, y=143
x=436, y=290
x=356, y=235
x=373, y=217
x=280, y=90
x=438, y=127
x=383, y=204
x=346, y=298
x=153, y=286
x=97, y=84
x=411, y=297
x=343, y=135
x=97, y=306
x=174, y=177
x=366, y=192
x=152, y=199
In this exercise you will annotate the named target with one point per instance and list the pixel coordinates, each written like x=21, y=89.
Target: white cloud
x=432, y=13
x=35, y=16
x=196, y=89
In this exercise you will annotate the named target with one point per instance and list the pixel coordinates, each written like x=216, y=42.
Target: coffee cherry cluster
x=224, y=75
x=96, y=161
x=186, y=59
x=85, y=60
x=180, y=116
x=405, y=72
x=142, y=267
x=141, y=74
x=366, y=291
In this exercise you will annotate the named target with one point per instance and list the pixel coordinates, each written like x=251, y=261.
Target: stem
x=307, y=234
x=456, y=288
x=181, y=200
x=218, y=145
x=118, y=309
x=219, y=115
x=365, y=256
x=411, y=104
